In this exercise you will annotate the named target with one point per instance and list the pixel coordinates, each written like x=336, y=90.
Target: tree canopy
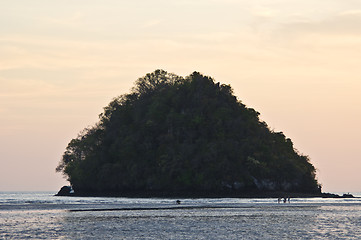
x=183, y=134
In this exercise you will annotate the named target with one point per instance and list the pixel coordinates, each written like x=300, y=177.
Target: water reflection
x=48, y=217
x=265, y=222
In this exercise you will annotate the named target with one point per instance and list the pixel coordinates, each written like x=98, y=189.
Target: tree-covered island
x=175, y=136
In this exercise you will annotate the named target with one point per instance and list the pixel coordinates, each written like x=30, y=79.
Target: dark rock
x=65, y=191
x=348, y=195
x=332, y=195
x=238, y=185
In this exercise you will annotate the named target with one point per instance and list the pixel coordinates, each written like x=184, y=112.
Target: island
x=174, y=136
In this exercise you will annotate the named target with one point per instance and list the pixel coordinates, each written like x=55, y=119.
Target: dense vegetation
x=183, y=134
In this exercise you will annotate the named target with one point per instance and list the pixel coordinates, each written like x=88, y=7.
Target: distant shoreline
x=198, y=194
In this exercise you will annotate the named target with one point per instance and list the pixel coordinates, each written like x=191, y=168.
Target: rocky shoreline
x=67, y=191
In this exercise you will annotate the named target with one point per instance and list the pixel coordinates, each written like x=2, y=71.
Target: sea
x=41, y=215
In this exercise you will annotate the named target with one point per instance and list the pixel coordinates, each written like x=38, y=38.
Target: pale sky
x=295, y=62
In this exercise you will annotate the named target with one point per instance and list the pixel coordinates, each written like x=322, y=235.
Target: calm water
x=43, y=216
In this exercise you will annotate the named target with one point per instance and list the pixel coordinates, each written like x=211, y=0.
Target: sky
x=295, y=62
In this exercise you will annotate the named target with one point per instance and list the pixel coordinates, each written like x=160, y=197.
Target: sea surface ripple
x=41, y=215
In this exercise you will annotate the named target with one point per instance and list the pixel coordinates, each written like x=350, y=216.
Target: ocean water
x=41, y=215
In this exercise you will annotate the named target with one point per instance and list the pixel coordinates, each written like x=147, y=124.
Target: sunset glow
x=295, y=62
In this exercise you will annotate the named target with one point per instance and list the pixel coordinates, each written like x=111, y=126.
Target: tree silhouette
x=183, y=134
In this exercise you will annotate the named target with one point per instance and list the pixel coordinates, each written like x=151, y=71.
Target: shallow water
x=43, y=216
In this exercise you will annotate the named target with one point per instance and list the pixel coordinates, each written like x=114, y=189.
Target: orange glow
x=61, y=63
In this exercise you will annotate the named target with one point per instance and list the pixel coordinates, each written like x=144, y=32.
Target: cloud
x=263, y=12
x=343, y=23
x=152, y=23
x=354, y=12
x=76, y=19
